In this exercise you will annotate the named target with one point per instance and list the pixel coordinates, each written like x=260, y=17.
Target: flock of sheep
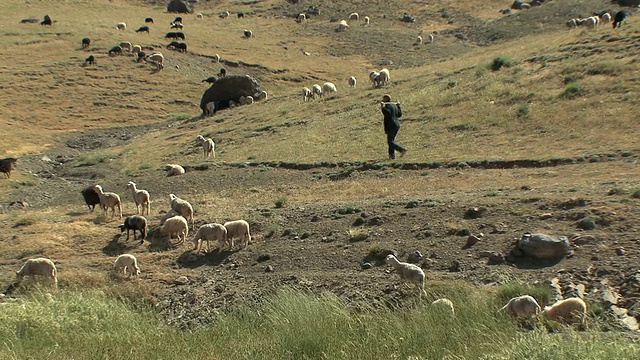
x=377, y=79
x=597, y=19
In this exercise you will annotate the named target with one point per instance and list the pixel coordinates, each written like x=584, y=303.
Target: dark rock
x=412, y=204
x=364, y=214
x=415, y=257
x=359, y=221
x=475, y=213
x=315, y=218
x=376, y=220
x=177, y=6
x=542, y=246
x=229, y=88
x=263, y=258
x=471, y=240
x=455, y=266
x=496, y=259
x=620, y=251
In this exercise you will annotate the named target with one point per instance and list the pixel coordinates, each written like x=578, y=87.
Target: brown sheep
x=6, y=165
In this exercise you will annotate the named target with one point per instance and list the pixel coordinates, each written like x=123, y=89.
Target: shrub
x=523, y=110
x=96, y=157
x=572, y=90
x=500, y=62
x=280, y=201
x=358, y=234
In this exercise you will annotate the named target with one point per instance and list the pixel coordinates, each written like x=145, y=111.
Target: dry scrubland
x=567, y=95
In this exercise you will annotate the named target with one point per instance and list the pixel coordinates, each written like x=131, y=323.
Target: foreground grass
x=289, y=325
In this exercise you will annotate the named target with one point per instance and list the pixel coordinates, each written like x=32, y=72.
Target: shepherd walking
x=392, y=113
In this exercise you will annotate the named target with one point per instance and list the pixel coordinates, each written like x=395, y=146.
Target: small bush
x=25, y=221
x=515, y=288
x=94, y=158
x=500, y=62
x=572, y=90
x=636, y=194
x=588, y=223
x=144, y=166
x=344, y=210
x=358, y=234
x=523, y=110
x=280, y=201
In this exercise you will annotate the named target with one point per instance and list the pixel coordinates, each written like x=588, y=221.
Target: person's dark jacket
x=392, y=112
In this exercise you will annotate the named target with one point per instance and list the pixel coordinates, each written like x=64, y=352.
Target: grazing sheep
x=126, y=45
x=135, y=222
x=157, y=59
x=121, y=26
x=90, y=60
x=208, y=146
x=173, y=169
x=168, y=215
x=354, y=16
x=572, y=23
x=619, y=18
x=301, y=17
x=223, y=72
x=328, y=88
x=445, y=303
x=108, y=200
x=374, y=76
x=143, y=29
x=307, y=93
x=140, y=197
x=176, y=225
x=240, y=15
x=367, y=21
x=91, y=197
x=224, y=15
x=592, y=22
x=239, y=229
x=178, y=19
x=86, y=42
x=418, y=40
x=178, y=26
x=210, y=232
x=605, y=18
x=384, y=77
x=317, y=90
x=116, y=50
x=352, y=81
x=262, y=95
x=183, y=208
x=141, y=55
x=46, y=21
x=199, y=16
x=136, y=49
x=524, y=307
x=408, y=272
x=148, y=20
x=210, y=109
x=247, y=34
x=126, y=264
x=6, y=165
x=342, y=25
x=216, y=58
x=430, y=38
x=39, y=266
x=175, y=35
x=570, y=311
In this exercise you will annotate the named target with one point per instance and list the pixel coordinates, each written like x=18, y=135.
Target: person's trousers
x=393, y=146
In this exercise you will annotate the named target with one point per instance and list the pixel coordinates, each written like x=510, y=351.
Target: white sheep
x=301, y=17
x=126, y=45
x=126, y=264
x=183, y=208
x=157, y=59
x=524, y=307
x=317, y=90
x=328, y=88
x=354, y=16
x=445, y=303
x=384, y=77
x=136, y=49
x=199, y=16
x=367, y=21
x=307, y=93
x=374, y=76
x=211, y=232
x=571, y=310
x=216, y=58
x=173, y=169
x=108, y=200
x=247, y=34
x=408, y=272
x=352, y=81
x=262, y=95
x=605, y=18
x=121, y=26
x=168, y=215
x=239, y=229
x=418, y=40
x=140, y=197
x=430, y=37
x=342, y=25
x=208, y=146
x=248, y=100
x=176, y=225
x=224, y=15
x=39, y=266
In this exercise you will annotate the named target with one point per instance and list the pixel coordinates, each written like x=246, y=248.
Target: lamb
x=247, y=34
x=239, y=229
x=91, y=197
x=126, y=45
x=126, y=264
x=39, y=266
x=135, y=222
x=208, y=146
x=307, y=94
x=173, y=169
x=367, y=21
x=116, y=50
x=140, y=197
x=121, y=26
x=90, y=60
x=352, y=81
x=408, y=272
x=210, y=232
x=143, y=29
x=328, y=88
x=619, y=18
x=148, y=20
x=210, y=109
x=6, y=165
x=136, y=49
x=86, y=42
x=240, y=15
x=354, y=16
x=524, y=306
x=385, y=77
x=262, y=95
x=317, y=90
x=445, y=303
x=342, y=25
x=157, y=59
x=176, y=225
x=571, y=310
x=46, y=21
x=109, y=200
x=182, y=207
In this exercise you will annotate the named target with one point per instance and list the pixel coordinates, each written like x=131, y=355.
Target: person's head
x=386, y=98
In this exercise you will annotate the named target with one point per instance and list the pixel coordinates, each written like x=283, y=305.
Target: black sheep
x=177, y=26
x=141, y=56
x=135, y=222
x=86, y=42
x=47, y=21
x=143, y=29
x=174, y=35
x=116, y=50
x=91, y=197
x=178, y=19
x=619, y=18
x=223, y=72
x=173, y=44
x=148, y=20
x=6, y=165
x=210, y=79
x=182, y=47
x=90, y=60
x=240, y=15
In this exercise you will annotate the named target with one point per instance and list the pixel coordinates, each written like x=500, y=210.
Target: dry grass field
x=541, y=144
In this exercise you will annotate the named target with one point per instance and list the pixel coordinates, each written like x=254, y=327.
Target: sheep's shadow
x=532, y=264
x=191, y=260
x=114, y=247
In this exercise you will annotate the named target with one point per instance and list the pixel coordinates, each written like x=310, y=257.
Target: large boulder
x=229, y=88
x=542, y=246
x=177, y=6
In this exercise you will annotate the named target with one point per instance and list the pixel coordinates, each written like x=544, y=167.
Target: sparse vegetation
x=95, y=157
x=522, y=111
x=280, y=201
x=572, y=90
x=358, y=234
x=500, y=62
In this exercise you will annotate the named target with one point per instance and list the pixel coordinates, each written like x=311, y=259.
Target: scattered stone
x=499, y=228
x=583, y=239
x=485, y=253
x=268, y=269
x=455, y=266
x=620, y=251
x=364, y=214
x=496, y=259
x=412, y=204
x=359, y=221
x=374, y=221
x=471, y=240
x=546, y=216
x=263, y=258
x=315, y=218
x=182, y=280
x=415, y=257
x=366, y=265
x=595, y=258
x=475, y=213
x=587, y=223
x=542, y=246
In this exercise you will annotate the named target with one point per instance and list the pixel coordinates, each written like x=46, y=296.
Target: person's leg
x=391, y=137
